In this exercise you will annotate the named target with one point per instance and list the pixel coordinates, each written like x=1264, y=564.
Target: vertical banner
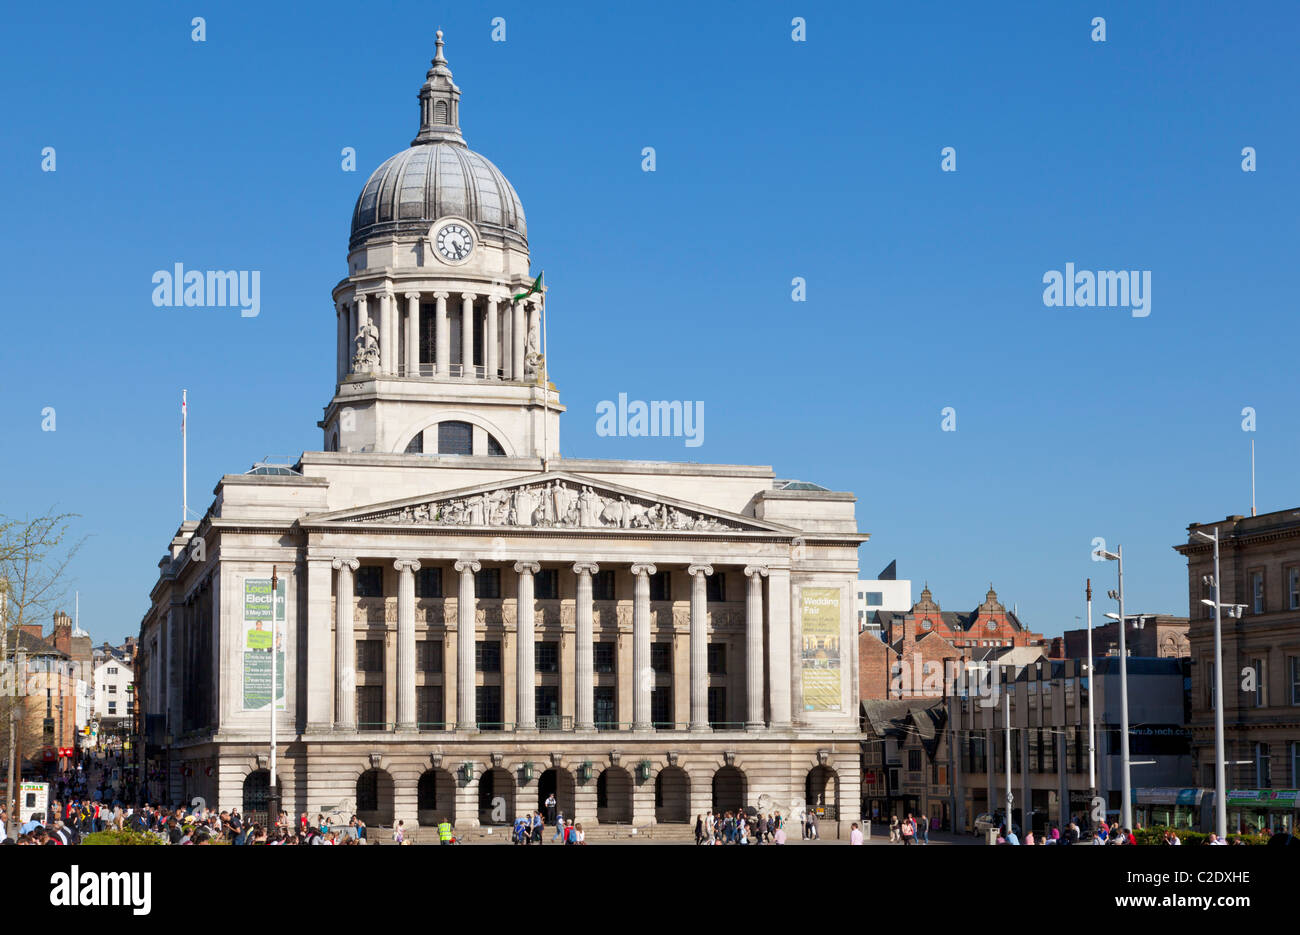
x=257, y=643
x=819, y=612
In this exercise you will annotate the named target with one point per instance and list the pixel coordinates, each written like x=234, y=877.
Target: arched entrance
x=614, y=796
x=257, y=790
x=822, y=792
x=728, y=790
x=496, y=798
x=672, y=795
x=435, y=798
x=560, y=783
x=375, y=797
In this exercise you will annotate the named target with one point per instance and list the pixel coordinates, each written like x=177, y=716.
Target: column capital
x=699, y=569
x=643, y=568
x=588, y=568
x=361, y=298
x=760, y=570
x=527, y=568
x=498, y=299
x=441, y=295
x=387, y=295
x=468, y=296
x=412, y=296
x=403, y=564
x=467, y=564
x=351, y=563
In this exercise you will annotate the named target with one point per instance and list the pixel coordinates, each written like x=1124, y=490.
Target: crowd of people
x=69, y=822
x=739, y=827
x=531, y=828
x=94, y=796
x=1107, y=834
x=909, y=830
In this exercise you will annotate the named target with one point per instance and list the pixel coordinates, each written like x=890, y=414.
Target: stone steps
x=666, y=832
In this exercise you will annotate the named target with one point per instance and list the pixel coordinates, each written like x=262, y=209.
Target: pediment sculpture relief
x=555, y=505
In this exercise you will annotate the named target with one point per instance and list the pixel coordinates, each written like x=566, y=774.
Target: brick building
x=50, y=674
x=909, y=656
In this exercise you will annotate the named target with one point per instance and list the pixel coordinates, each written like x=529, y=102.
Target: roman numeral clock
x=454, y=242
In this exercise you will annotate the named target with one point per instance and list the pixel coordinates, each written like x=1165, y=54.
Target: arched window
x=416, y=445
x=494, y=448
x=440, y=112
x=455, y=438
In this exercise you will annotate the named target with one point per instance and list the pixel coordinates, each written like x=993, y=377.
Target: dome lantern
x=439, y=103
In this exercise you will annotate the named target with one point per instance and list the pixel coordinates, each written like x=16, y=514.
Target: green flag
x=537, y=284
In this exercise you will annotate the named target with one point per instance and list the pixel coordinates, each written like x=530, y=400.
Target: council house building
x=466, y=622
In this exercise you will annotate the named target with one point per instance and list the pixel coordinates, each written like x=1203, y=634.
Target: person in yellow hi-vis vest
x=444, y=832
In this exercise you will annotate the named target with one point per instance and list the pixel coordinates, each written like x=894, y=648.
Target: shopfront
x=1251, y=811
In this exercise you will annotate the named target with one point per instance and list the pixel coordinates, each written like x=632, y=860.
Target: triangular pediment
x=552, y=500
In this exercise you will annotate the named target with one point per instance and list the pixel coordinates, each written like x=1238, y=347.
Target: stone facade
x=1149, y=635
x=649, y=640
x=1259, y=569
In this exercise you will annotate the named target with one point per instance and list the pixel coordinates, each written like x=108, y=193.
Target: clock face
x=992, y=625
x=925, y=624
x=454, y=242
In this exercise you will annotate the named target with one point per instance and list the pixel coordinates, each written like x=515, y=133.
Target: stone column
x=317, y=673
x=387, y=352
x=412, y=334
x=363, y=314
x=644, y=674
x=406, y=570
x=507, y=343
x=345, y=647
x=466, y=607
x=584, y=676
x=441, y=336
x=526, y=667
x=467, y=333
x=699, y=647
x=354, y=325
x=754, y=647
x=520, y=336
x=491, y=357
x=174, y=669
x=342, y=314
x=779, y=673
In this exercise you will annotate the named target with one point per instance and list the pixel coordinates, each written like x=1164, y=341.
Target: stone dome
x=435, y=179
x=438, y=176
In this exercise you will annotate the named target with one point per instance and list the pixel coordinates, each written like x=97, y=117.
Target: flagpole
x=185, y=461
x=546, y=390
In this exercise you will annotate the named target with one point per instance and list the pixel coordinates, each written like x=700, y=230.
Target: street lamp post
x=1126, y=790
x=1220, y=761
x=273, y=798
x=1006, y=698
x=1092, y=721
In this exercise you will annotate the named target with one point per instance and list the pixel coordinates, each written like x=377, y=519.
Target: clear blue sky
x=776, y=159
